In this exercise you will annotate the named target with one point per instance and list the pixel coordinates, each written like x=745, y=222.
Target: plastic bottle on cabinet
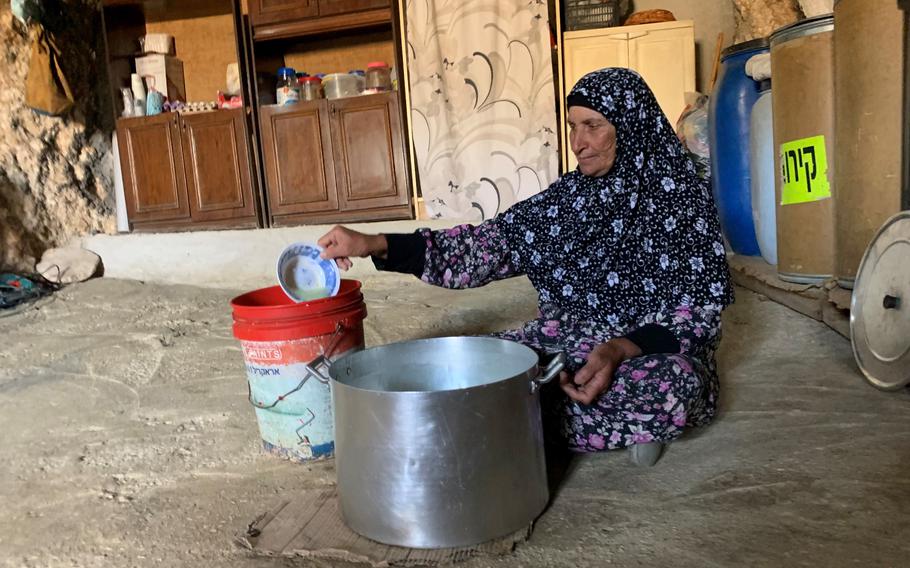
x=287, y=92
x=762, y=172
x=138, y=88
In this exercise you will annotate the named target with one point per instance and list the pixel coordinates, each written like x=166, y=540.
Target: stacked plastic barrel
x=829, y=83
x=729, y=124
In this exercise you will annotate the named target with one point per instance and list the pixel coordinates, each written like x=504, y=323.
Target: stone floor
x=128, y=441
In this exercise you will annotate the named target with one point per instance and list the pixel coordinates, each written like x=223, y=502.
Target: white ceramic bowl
x=304, y=276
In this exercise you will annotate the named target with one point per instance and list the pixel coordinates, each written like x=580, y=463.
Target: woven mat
x=310, y=526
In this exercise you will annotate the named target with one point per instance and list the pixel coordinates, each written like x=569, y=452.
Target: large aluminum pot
x=438, y=442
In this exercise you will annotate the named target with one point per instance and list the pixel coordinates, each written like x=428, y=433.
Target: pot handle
x=553, y=369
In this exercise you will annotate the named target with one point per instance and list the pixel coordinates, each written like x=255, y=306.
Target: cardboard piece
x=824, y=302
x=310, y=526
x=164, y=73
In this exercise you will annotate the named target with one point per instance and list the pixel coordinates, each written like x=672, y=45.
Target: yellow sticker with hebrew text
x=804, y=171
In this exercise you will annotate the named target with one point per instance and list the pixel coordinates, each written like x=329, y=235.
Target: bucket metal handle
x=553, y=369
x=311, y=371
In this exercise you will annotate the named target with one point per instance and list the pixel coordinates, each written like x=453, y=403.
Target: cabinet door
x=152, y=162
x=274, y=11
x=217, y=161
x=369, y=154
x=330, y=7
x=666, y=60
x=589, y=51
x=297, y=151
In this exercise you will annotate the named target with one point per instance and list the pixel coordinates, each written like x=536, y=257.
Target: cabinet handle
x=332, y=109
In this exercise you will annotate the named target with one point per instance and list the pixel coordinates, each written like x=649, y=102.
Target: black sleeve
x=654, y=338
x=406, y=254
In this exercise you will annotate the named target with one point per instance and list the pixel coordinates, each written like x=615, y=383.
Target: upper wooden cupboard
x=272, y=11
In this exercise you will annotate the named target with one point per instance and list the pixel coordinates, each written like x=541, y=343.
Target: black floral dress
x=636, y=253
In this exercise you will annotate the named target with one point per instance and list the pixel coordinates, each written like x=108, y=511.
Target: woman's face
x=593, y=141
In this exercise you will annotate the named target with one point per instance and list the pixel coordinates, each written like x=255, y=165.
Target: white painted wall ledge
x=241, y=259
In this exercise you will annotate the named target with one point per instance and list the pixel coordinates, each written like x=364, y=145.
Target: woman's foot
x=646, y=455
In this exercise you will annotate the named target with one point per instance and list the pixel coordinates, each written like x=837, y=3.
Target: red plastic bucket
x=287, y=348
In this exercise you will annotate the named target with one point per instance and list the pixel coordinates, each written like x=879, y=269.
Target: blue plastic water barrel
x=728, y=131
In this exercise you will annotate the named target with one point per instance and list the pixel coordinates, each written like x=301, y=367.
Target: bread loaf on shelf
x=650, y=17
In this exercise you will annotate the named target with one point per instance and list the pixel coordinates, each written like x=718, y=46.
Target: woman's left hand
x=595, y=377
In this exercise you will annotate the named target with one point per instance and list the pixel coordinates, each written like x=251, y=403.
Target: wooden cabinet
x=297, y=152
x=185, y=171
x=182, y=170
x=369, y=153
x=151, y=158
x=329, y=7
x=332, y=161
x=274, y=11
x=339, y=160
x=664, y=55
x=217, y=165
x=289, y=18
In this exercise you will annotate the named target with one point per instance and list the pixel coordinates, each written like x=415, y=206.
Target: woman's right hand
x=342, y=243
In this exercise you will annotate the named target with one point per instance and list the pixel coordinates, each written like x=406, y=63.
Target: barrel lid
x=880, y=307
x=802, y=28
x=756, y=44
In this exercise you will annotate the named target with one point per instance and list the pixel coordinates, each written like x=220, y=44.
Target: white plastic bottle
x=138, y=87
x=761, y=166
x=287, y=89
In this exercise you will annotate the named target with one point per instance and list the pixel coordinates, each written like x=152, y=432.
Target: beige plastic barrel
x=868, y=63
x=802, y=87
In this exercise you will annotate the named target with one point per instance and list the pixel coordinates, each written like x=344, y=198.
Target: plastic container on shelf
x=378, y=78
x=286, y=90
x=311, y=89
x=340, y=85
x=360, y=75
x=157, y=43
x=587, y=14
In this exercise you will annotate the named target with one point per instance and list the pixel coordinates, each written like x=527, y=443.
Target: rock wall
x=758, y=18
x=55, y=172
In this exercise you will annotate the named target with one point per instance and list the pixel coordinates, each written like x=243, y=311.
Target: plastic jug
x=761, y=166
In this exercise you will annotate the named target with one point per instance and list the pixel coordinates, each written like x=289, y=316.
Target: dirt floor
x=128, y=441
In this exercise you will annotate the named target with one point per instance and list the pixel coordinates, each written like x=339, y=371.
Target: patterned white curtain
x=483, y=104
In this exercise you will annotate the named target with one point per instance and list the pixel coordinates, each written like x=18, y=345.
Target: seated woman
x=626, y=255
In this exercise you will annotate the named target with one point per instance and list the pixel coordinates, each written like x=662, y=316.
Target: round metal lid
x=757, y=44
x=802, y=28
x=880, y=307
